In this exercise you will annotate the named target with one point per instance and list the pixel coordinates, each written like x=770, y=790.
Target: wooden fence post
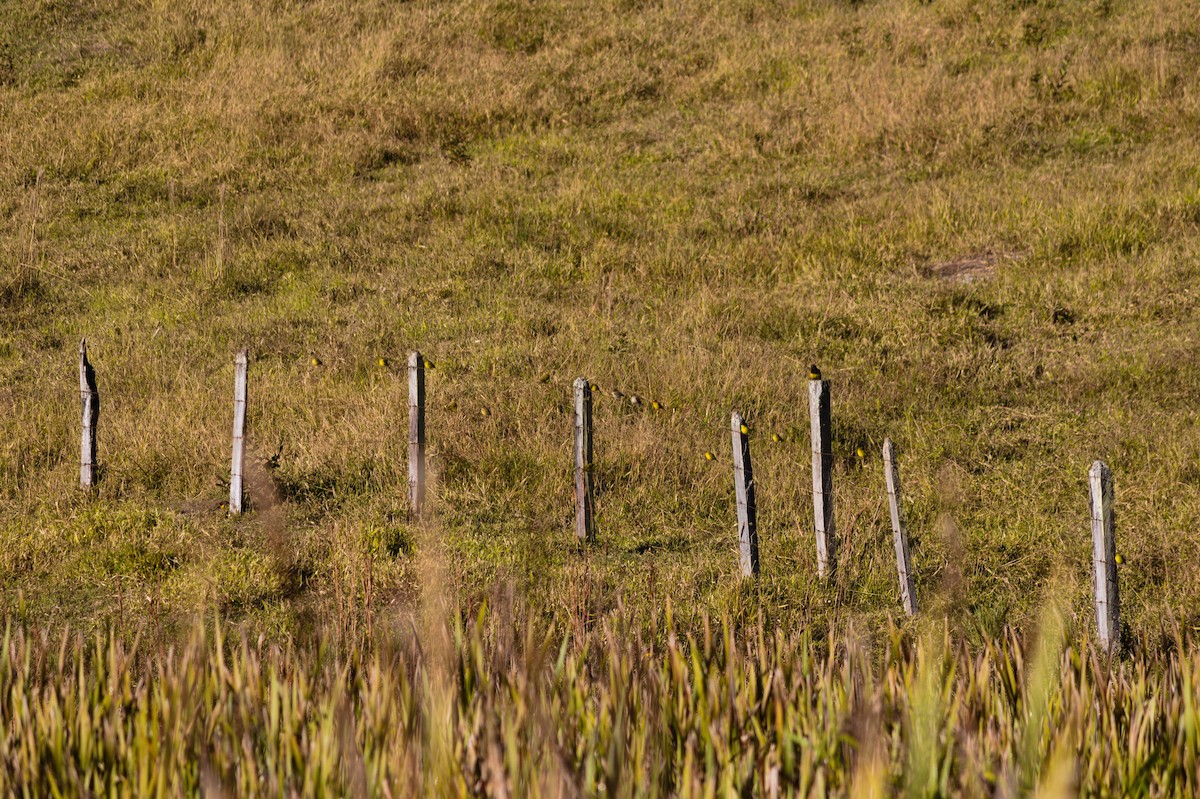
x=1104, y=550
x=416, y=433
x=585, y=527
x=743, y=484
x=90, y=399
x=891, y=473
x=239, y=431
x=822, y=468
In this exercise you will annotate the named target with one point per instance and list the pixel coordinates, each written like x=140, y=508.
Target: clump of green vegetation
x=501, y=705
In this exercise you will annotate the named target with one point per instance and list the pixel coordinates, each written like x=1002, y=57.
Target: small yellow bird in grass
x=745, y=430
x=778, y=439
x=1119, y=558
x=315, y=361
x=595, y=387
x=656, y=405
x=709, y=456
x=814, y=373
x=861, y=453
x=485, y=411
x=381, y=362
x=429, y=364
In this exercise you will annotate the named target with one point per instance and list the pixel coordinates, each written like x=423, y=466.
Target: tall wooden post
x=891, y=473
x=822, y=474
x=585, y=527
x=90, y=399
x=239, y=431
x=1104, y=554
x=743, y=485
x=416, y=433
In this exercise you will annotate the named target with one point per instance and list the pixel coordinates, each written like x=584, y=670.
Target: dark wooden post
x=743, y=486
x=1104, y=557
x=822, y=468
x=891, y=473
x=90, y=399
x=239, y=432
x=416, y=433
x=585, y=527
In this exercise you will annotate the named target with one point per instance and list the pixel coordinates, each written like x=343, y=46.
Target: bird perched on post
x=814, y=373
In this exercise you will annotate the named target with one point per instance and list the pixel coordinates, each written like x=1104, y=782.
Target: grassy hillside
x=982, y=219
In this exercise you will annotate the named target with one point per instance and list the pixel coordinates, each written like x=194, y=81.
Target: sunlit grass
x=981, y=219
x=512, y=708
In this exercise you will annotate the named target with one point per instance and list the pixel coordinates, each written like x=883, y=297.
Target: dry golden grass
x=684, y=200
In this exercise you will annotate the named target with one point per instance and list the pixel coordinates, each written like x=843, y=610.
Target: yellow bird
x=485, y=411
x=429, y=364
x=381, y=361
x=656, y=405
x=814, y=373
x=708, y=456
x=745, y=430
x=595, y=387
x=860, y=452
x=315, y=361
x=776, y=438
x=1119, y=558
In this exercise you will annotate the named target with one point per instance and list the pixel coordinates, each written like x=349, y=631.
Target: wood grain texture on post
x=236, y=494
x=416, y=433
x=822, y=468
x=585, y=527
x=1104, y=556
x=743, y=485
x=90, y=399
x=891, y=473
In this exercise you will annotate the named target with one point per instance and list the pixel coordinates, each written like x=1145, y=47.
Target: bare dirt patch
x=966, y=270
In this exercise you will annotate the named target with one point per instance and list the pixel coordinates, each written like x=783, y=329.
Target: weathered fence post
x=891, y=473
x=822, y=468
x=239, y=431
x=584, y=524
x=416, y=433
x=90, y=398
x=743, y=483
x=1104, y=551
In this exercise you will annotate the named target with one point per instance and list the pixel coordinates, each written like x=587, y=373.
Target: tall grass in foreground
x=502, y=706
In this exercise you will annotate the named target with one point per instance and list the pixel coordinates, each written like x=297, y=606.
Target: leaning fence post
x=891, y=473
x=822, y=468
x=90, y=399
x=416, y=433
x=1104, y=549
x=584, y=524
x=239, y=432
x=743, y=484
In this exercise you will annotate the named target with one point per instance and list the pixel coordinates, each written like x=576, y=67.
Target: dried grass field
x=980, y=218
